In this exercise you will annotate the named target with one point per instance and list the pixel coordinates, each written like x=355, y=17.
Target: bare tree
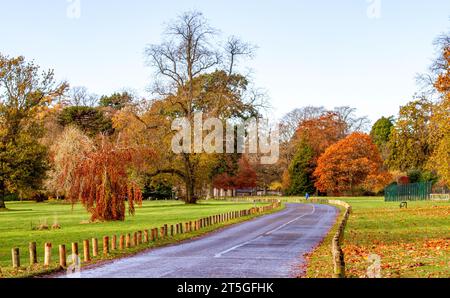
x=235, y=48
x=184, y=56
x=290, y=122
x=354, y=123
x=80, y=96
x=427, y=80
x=180, y=62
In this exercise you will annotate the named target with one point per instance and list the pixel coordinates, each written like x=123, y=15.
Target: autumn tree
x=322, y=132
x=329, y=125
x=290, y=122
x=409, y=146
x=318, y=134
x=351, y=165
x=440, y=120
x=191, y=76
x=66, y=154
x=25, y=94
x=100, y=177
x=245, y=177
x=289, y=125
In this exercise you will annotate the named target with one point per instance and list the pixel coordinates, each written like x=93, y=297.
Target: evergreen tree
x=301, y=170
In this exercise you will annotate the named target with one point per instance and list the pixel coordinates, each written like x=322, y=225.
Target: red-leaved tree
x=245, y=178
x=101, y=182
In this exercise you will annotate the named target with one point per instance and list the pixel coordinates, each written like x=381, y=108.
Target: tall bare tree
x=193, y=74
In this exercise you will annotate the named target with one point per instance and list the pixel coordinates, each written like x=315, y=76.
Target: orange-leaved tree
x=440, y=121
x=101, y=180
x=314, y=135
x=353, y=164
x=321, y=132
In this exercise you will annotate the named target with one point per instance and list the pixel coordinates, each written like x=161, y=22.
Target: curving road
x=266, y=247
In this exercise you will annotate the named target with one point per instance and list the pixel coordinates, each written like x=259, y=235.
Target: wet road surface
x=266, y=247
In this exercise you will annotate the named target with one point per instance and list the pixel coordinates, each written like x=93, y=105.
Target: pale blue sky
x=321, y=52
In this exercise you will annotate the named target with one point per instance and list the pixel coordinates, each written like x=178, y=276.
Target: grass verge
x=413, y=242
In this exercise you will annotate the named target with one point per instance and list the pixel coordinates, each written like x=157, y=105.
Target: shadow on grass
x=182, y=204
x=15, y=210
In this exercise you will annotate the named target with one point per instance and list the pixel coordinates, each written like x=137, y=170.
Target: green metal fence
x=409, y=192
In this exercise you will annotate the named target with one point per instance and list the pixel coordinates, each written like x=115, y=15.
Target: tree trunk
x=2, y=196
x=189, y=180
x=190, y=192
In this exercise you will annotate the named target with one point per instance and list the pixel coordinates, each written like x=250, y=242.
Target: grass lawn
x=16, y=231
x=413, y=242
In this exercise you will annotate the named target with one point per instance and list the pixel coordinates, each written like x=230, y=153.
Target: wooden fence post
x=47, y=254
x=146, y=238
x=134, y=242
x=62, y=256
x=128, y=241
x=105, y=245
x=139, y=238
x=94, y=247
x=114, y=243
x=33, y=254
x=15, y=254
x=75, y=253
x=122, y=242
x=86, y=251
x=152, y=235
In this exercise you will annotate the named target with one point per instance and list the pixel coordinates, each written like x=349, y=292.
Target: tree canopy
x=25, y=95
x=350, y=165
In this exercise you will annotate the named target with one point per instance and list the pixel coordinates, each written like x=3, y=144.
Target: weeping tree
x=100, y=177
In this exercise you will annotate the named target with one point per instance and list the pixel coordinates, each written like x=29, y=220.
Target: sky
x=361, y=53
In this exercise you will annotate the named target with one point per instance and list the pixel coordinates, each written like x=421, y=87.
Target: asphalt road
x=266, y=247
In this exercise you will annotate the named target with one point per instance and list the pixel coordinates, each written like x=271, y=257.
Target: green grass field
x=413, y=242
x=16, y=223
